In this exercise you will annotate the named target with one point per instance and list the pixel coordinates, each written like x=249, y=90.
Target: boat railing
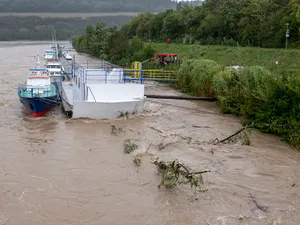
x=90, y=90
x=30, y=92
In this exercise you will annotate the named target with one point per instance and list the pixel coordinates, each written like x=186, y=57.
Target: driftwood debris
x=137, y=161
x=260, y=207
x=115, y=130
x=174, y=173
x=197, y=126
x=129, y=146
x=242, y=134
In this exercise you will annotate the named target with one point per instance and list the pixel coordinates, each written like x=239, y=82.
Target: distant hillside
x=36, y=28
x=85, y=5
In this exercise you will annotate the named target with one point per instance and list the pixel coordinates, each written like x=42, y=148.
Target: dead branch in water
x=115, y=130
x=174, y=173
x=262, y=208
x=196, y=126
x=137, y=161
x=123, y=115
x=242, y=134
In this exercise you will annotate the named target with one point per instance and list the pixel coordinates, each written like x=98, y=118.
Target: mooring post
x=73, y=66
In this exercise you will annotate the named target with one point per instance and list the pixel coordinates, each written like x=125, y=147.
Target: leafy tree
x=173, y=26
x=228, y=22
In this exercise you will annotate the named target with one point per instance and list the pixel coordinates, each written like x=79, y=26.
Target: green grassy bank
x=243, y=56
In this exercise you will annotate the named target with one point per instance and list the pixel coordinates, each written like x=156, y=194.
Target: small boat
x=68, y=57
x=38, y=94
x=49, y=56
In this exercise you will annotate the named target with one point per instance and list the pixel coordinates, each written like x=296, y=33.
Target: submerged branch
x=231, y=136
x=174, y=173
x=242, y=134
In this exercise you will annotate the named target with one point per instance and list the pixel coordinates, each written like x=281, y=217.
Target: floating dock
x=99, y=91
x=66, y=99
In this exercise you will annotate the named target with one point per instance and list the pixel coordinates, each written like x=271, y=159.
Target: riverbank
x=265, y=97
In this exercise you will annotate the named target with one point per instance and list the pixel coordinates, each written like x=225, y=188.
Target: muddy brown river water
x=59, y=171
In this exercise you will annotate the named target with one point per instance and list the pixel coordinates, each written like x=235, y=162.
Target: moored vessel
x=38, y=94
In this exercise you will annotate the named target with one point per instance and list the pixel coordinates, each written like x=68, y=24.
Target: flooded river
x=59, y=171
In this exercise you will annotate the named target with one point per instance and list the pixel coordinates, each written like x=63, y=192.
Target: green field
x=71, y=15
x=242, y=56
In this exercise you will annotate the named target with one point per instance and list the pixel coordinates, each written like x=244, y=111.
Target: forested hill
x=85, y=5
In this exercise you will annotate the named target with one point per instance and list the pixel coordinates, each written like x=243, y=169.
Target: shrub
x=266, y=102
x=195, y=76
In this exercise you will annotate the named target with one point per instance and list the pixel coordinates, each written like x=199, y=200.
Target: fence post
x=124, y=76
x=87, y=93
x=73, y=66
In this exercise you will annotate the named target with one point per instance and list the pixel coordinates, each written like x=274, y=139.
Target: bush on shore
x=267, y=102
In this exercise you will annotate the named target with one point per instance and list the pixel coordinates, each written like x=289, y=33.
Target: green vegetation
x=267, y=102
x=226, y=22
x=242, y=56
x=174, y=173
x=137, y=161
x=112, y=45
x=129, y=146
x=264, y=97
x=84, y=5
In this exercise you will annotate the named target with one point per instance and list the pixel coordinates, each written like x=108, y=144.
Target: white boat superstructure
x=56, y=70
x=49, y=56
x=68, y=57
x=38, y=78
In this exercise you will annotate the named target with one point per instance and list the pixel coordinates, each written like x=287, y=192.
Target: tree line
x=37, y=28
x=227, y=22
x=112, y=45
x=220, y=22
x=84, y=5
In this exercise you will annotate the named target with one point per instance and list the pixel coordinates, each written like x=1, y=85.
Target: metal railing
x=98, y=76
x=87, y=94
x=25, y=92
x=133, y=76
x=139, y=76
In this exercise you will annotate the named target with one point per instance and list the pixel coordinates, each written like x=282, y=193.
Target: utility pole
x=287, y=34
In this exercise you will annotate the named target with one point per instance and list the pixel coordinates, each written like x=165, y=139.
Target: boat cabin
x=49, y=54
x=38, y=79
x=54, y=65
x=38, y=72
x=54, y=68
